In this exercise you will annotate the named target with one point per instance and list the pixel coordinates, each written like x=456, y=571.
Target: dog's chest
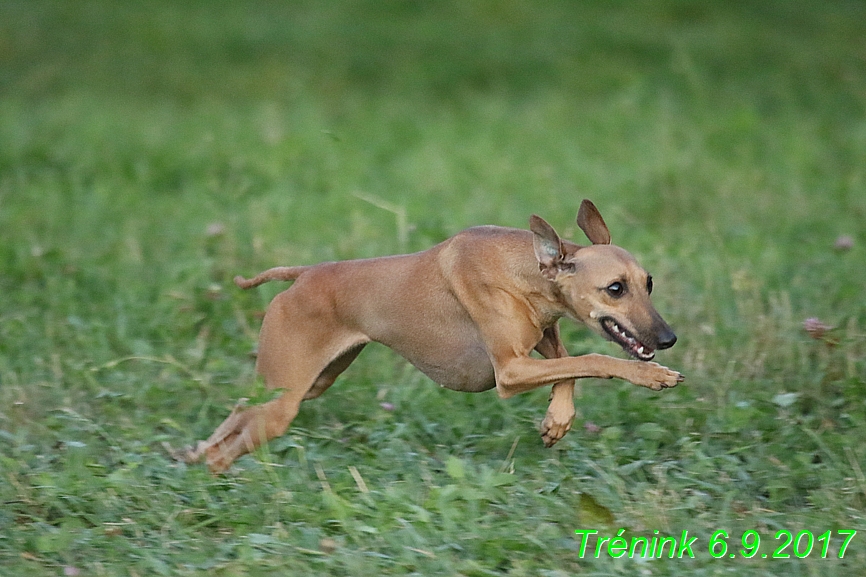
x=456, y=361
x=468, y=369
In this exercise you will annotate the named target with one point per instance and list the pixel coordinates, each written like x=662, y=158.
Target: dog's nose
x=667, y=339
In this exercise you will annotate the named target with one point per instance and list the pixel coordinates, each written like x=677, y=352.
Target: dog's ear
x=547, y=245
x=590, y=222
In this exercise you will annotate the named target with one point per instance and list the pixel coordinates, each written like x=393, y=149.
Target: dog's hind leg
x=302, y=350
x=327, y=377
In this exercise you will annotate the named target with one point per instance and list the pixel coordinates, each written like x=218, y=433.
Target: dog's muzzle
x=631, y=344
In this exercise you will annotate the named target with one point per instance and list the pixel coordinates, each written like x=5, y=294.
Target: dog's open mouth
x=626, y=340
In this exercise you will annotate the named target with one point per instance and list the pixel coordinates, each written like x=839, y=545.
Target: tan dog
x=467, y=313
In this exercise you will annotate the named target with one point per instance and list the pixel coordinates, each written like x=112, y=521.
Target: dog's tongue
x=643, y=352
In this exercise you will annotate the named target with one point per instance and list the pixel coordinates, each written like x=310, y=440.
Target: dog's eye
x=649, y=285
x=616, y=290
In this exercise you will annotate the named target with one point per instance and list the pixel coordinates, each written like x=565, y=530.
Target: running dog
x=467, y=313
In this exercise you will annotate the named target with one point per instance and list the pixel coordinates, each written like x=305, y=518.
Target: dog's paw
x=213, y=455
x=189, y=454
x=555, y=426
x=217, y=461
x=657, y=377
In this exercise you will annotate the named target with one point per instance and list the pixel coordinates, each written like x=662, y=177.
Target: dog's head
x=602, y=285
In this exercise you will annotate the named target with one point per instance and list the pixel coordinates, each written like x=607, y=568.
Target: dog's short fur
x=467, y=313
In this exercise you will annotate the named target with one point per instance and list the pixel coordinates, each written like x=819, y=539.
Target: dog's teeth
x=640, y=351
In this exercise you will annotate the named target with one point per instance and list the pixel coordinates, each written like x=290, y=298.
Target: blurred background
x=152, y=149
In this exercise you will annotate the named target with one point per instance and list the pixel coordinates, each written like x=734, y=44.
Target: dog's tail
x=284, y=273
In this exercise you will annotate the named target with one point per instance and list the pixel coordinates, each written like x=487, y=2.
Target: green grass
x=724, y=142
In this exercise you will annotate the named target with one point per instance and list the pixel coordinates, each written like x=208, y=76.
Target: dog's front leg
x=518, y=374
x=560, y=413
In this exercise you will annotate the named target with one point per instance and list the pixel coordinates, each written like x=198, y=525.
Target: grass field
x=150, y=150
